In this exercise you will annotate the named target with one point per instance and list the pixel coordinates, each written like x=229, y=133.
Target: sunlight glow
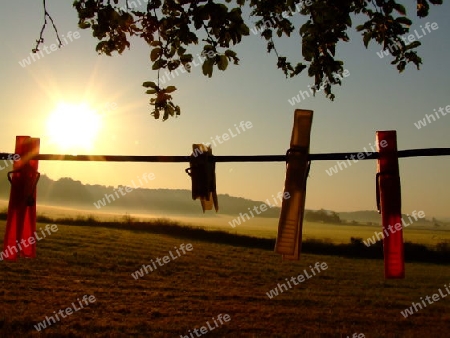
x=73, y=127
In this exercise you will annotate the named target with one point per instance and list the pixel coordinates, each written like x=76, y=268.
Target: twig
x=41, y=38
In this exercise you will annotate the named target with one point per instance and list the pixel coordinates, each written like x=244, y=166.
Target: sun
x=73, y=127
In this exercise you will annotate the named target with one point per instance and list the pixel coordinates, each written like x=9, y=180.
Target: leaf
x=172, y=65
x=359, y=28
x=400, y=8
x=150, y=91
x=154, y=55
x=413, y=45
x=158, y=64
x=223, y=62
x=168, y=110
x=304, y=28
x=243, y=29
x=170, y=89
x=401, y=66
x=150, y=84
x=404, y=21
x=367, y=37
x=207, y=67
x=298, y=69
x=230, y=53
x=84, y=25
x=186, y=58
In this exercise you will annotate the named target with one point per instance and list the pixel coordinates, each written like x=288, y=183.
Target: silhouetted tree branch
x=172, y=28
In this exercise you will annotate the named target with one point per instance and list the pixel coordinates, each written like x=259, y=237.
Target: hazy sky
x=373, y=97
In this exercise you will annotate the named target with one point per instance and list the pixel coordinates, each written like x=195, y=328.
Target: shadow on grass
x=355, y=249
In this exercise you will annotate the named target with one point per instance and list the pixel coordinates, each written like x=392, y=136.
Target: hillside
x=70, y=193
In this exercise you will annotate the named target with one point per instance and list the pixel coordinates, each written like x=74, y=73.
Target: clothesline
x=233, y=158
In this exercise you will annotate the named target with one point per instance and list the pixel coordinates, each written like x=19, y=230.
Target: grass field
x=349, y=297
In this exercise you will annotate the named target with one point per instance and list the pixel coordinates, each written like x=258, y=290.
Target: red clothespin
x=20, y=232
x=289, y=239
x=203, y=175
x=389, y=203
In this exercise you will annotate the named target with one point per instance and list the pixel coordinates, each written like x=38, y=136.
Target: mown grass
x=350, y=296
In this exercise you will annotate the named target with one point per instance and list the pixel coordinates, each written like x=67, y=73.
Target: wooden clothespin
x=389, y=203
x=203, y=175
x=289, y=239
x=20, y=231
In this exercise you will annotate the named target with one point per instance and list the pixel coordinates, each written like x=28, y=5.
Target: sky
x=374, y=96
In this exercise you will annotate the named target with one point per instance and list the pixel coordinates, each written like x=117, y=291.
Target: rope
x=233, y=158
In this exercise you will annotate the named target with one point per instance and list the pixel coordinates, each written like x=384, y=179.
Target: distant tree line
x=322, y=216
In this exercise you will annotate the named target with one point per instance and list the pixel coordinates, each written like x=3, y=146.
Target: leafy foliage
x=171, y=27
x=162, y=100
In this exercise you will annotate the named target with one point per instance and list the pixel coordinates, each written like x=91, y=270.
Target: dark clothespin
x=389, y=203
x=289, y=239
x=203, y=175
x=20, y=231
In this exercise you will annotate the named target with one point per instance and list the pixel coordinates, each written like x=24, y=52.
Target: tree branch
x=41, y=35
